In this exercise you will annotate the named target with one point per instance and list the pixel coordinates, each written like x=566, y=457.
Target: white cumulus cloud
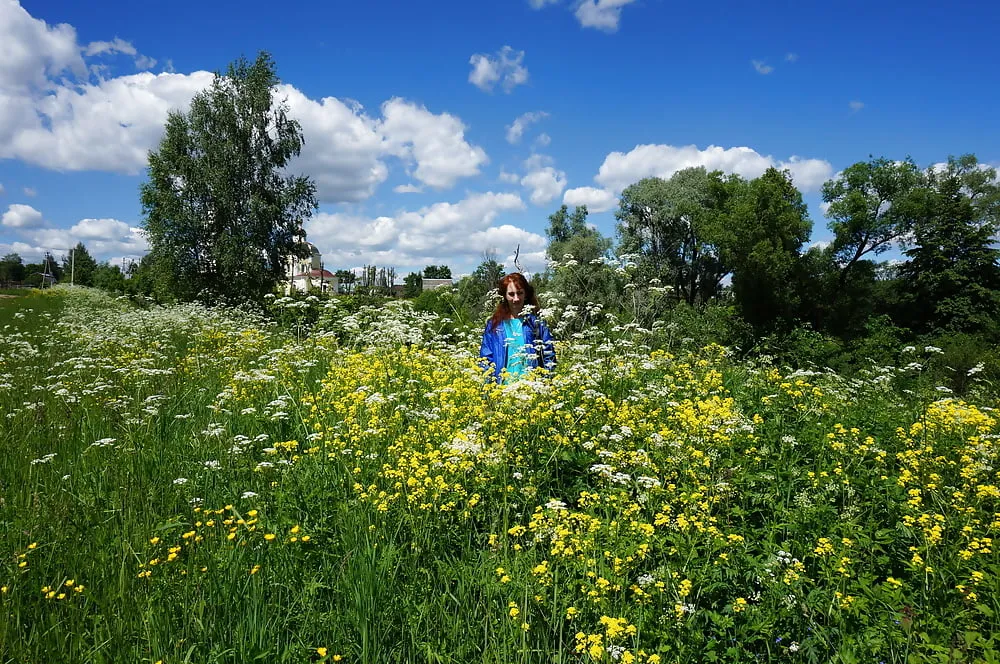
x=109, y=47
x=515, y=130
x=505, y=67
x=104, y=238
x=508, y=177
x=762, y=67
x=808, y=174
x=109, y=125
x=31, y=51
x=343, y=146
x=435, y=143
x=596, y=200
x=601, y=14
x=118, y=45
x=22, y=217
x=99, y=229
x=107, y=238
x=657, y=160
x=856, y=105
x=437, y=233
x=53, y=114
x=545, y=184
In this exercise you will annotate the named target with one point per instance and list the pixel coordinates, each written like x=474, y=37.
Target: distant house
x=431, y=284
x=303, y=274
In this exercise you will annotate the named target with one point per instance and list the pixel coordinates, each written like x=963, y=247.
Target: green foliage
x=967, y=364
x=761, y=242
x=80, y=266
x=719, y=322
x=580, y=268
x=565, y=227
x=489, y=272
x=437, y=272
x=673, y=227
x=951, y=280
x=156, y=278
x=475, y=298
x=12, y=269
x=880, y=343
x=43, y=274
x=375, y=281
x=870, y=207
x=413, y=284
x=803, y=348
x=221, y=214
x=109, y=277
x=834, y=301
x=346, y=280
x=445, y=303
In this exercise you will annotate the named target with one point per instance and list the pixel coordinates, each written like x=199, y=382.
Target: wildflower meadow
x=188, y=484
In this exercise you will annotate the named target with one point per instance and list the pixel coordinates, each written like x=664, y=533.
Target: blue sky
x=437, y=131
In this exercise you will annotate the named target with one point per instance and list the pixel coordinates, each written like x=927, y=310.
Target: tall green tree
x=12, y=268
x=581, y=275
x=871, y=206
x=951, y=279
x=565, y=225
x=489, y=272
x=346, y=280
x=674, y=226
x=437, y=272
x=762, y=242
x=569, y=234
x=221, y=214
x=413, y=284
x=80, y=265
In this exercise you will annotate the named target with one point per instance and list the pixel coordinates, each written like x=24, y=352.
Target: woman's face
x=515, y=298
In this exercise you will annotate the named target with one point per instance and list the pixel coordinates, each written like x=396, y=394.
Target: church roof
x=326, y=274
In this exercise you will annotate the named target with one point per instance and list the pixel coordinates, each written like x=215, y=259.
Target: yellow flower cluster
x=223, y=528
x=63, y=590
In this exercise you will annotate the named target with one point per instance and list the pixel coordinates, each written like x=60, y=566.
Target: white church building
x=303, y=274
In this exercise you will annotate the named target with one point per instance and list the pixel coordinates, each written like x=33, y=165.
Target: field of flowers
x=184, y=484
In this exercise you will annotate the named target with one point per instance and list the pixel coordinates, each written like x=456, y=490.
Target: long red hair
x=502, y=311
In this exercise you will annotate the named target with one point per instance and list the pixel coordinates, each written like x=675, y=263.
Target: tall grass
x=191, y=485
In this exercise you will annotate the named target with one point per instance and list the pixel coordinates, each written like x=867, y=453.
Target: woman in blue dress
x=516, y=340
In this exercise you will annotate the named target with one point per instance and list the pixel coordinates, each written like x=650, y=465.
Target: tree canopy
x=80, y=265
x=221, y=215
x=437, y=272
x=12, y=269
x=674, y=226
x=870, y=207
x=952, y=276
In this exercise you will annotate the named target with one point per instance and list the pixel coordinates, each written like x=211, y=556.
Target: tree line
x=78, y=266
x=711, y=236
